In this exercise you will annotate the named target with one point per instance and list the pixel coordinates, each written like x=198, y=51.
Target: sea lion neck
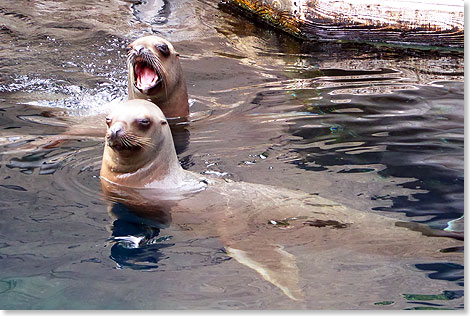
x=176, y=105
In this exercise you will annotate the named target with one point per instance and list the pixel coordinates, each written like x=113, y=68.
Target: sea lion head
x=138, y=141
x=155, y=74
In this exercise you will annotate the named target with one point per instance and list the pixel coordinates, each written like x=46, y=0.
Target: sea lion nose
x=139, y=49
x=116, y=131
x=115, y=134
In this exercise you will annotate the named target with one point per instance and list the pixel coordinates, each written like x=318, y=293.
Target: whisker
x=130, y=140
x=125, y=142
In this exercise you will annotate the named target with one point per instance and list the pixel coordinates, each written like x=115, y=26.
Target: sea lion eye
x=163, y=48
x=143, y=122
x=108, y=120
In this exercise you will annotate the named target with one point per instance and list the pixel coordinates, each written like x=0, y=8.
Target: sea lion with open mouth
x=260, y=226
x=155, y=74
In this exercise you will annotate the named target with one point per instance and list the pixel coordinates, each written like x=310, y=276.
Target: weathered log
x=438, y=23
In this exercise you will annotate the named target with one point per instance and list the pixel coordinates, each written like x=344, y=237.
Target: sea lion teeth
x=146, y=76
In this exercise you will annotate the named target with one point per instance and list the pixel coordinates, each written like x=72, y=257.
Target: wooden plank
x=416, y=22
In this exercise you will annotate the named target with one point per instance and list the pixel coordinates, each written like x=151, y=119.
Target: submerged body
x=260, y=226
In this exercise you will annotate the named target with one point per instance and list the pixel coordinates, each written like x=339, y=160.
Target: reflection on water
x=136, y=244
x=378, y=129
x=139, y=244
x=388, y=134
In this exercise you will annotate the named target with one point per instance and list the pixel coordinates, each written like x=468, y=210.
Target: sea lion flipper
x=274, y=264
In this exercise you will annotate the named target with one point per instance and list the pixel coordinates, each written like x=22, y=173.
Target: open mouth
x=145, y=76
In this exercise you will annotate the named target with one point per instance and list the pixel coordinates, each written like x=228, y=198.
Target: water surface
x=378, y=129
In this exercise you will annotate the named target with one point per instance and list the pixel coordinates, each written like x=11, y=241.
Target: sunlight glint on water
x=377, y=129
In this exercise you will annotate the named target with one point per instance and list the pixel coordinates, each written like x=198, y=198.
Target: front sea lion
x=259, y=225
x=155, y=74
x=139, y=143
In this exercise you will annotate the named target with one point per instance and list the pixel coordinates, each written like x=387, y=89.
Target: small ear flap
x=128, y=48
x=163, y=122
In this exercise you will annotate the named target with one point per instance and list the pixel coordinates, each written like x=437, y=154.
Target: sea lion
x=139, y=143
x=155, y=74
x=259, y=225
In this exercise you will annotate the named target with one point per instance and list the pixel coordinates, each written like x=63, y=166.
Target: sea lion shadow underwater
x=258, y=225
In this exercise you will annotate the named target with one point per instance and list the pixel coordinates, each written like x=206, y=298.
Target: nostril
x=139, y=49
x=115, y=133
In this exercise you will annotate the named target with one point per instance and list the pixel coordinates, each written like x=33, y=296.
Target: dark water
x=375, y=128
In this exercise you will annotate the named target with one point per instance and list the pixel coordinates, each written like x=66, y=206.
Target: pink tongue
x=146, y=77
